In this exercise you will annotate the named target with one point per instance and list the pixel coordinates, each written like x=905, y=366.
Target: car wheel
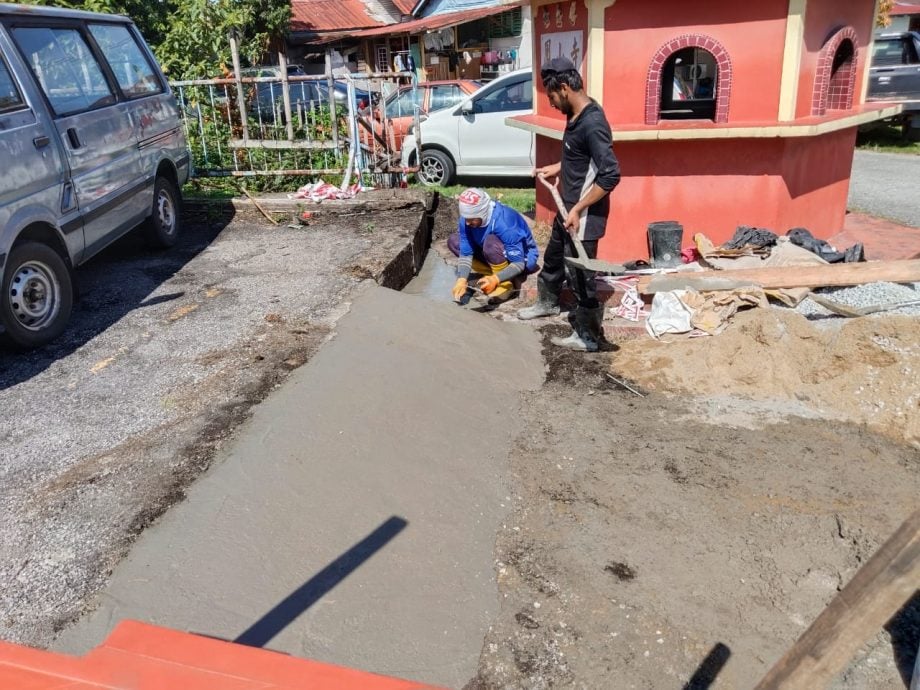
x=163, y=224
x=37, y=295
x=436, y=168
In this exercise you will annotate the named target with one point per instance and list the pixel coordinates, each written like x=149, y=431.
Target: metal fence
x=248, y=126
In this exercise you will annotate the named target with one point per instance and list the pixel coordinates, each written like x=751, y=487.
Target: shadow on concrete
x=710, y=668
x=276, y=620
x=904, y=628
x=117, y=281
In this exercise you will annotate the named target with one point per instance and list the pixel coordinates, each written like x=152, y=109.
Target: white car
x=472, y=138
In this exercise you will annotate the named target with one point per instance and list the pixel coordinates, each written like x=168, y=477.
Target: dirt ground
x=687, y=538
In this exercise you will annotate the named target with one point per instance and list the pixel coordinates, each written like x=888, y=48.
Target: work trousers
x=492, y=252
x=556, y=271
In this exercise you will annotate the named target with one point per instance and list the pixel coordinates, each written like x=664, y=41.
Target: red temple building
x=723, y=113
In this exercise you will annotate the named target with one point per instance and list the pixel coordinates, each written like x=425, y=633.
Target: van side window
x=65, y=67
x=10, y=98
x=132, y=70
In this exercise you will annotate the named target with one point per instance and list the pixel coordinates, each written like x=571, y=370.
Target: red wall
x=822, y=19
x=540, y=29
x=753, y=36
x=714, y=186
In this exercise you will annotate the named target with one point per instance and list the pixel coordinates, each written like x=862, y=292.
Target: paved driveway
x=887, y=185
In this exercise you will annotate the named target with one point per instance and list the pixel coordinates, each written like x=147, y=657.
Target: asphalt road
x=886, y=185
x=165, y=355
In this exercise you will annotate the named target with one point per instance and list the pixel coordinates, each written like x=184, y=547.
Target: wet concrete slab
x=435, y=280
x=352, y=520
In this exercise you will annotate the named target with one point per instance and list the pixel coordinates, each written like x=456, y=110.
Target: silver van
x=91, y=146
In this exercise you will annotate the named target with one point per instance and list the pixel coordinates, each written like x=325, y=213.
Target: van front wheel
x=37, y=295
x=163, y=224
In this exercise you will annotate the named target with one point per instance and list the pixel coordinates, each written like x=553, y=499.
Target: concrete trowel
x=582, y=261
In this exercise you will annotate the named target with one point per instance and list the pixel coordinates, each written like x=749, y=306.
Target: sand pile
x=864, y=370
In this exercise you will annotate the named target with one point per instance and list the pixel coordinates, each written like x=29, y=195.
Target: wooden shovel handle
x=555, y=192
x=560, y=204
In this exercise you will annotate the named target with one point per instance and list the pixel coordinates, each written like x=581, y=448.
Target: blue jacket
x=510, y=227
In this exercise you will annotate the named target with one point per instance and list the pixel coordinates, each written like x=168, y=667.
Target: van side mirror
x=467, y=108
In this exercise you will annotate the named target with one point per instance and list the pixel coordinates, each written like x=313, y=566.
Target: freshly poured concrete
x=401, y=424
x=435, y=280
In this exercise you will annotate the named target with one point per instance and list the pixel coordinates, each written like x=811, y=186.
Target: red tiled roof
x=905, y=8
x=438, y=21
x=330, y=15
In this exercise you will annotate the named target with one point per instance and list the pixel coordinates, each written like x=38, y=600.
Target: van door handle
x=74, y=139
x=41, y=142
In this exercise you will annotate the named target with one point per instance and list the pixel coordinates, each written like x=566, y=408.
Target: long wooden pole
x=775, y=277
x=878, y=590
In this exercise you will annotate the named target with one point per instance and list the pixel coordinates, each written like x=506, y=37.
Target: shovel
x=854, y=312
x=582, y=261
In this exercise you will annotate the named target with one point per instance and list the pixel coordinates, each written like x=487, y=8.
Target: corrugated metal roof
x=440, y=21
x=405, y=6
x=905, y=8
x=330, y=15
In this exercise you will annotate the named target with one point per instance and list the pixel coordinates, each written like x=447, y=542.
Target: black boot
x=587, y=331
x=547, y=304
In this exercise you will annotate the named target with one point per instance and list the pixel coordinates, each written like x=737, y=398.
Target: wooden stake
x=259, y=206
x=878, y=590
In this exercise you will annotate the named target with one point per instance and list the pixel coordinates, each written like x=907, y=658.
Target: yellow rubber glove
x=488, y=284
x=460, y=288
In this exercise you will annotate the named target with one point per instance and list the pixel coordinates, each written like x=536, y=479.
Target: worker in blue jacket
x=494, y=241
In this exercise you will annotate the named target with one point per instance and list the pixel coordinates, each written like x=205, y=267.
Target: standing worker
x=586, y=175
x=494, y=241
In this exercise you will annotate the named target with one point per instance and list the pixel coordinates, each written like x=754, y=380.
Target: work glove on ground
x=460, y=288
x=488, y=284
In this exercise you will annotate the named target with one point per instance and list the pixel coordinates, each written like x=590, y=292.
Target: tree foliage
x=883, y=18
x=190, y=37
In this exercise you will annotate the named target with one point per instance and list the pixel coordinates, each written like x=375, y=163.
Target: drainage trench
x=436, y=277
x=434, y=280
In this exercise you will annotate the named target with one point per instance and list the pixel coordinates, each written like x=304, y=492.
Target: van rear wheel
x=37, y=295
x=163, y=224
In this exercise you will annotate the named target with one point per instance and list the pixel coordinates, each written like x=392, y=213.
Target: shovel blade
x=595, y=265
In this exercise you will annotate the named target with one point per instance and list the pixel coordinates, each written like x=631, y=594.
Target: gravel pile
x=870, y=295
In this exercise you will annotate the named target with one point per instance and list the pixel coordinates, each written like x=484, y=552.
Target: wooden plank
x=280, y=144
x=878, y=590
x=776, y=277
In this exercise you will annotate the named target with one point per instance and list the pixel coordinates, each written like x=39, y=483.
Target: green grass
x=886, y=139
x=212, y=189
x=521, y=199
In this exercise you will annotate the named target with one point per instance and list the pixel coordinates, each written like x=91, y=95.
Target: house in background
x=318, y=26
x=905, y=16
x=479, y=40
x=447, y=39
x=723, y=113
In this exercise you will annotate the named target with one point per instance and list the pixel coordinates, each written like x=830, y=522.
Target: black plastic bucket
x=664, y=241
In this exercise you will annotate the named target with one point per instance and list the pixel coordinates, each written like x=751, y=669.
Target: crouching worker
x=495, y=242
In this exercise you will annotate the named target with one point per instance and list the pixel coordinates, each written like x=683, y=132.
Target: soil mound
x=861, y=370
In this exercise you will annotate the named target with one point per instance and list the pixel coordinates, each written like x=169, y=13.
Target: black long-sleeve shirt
x=587, y=159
